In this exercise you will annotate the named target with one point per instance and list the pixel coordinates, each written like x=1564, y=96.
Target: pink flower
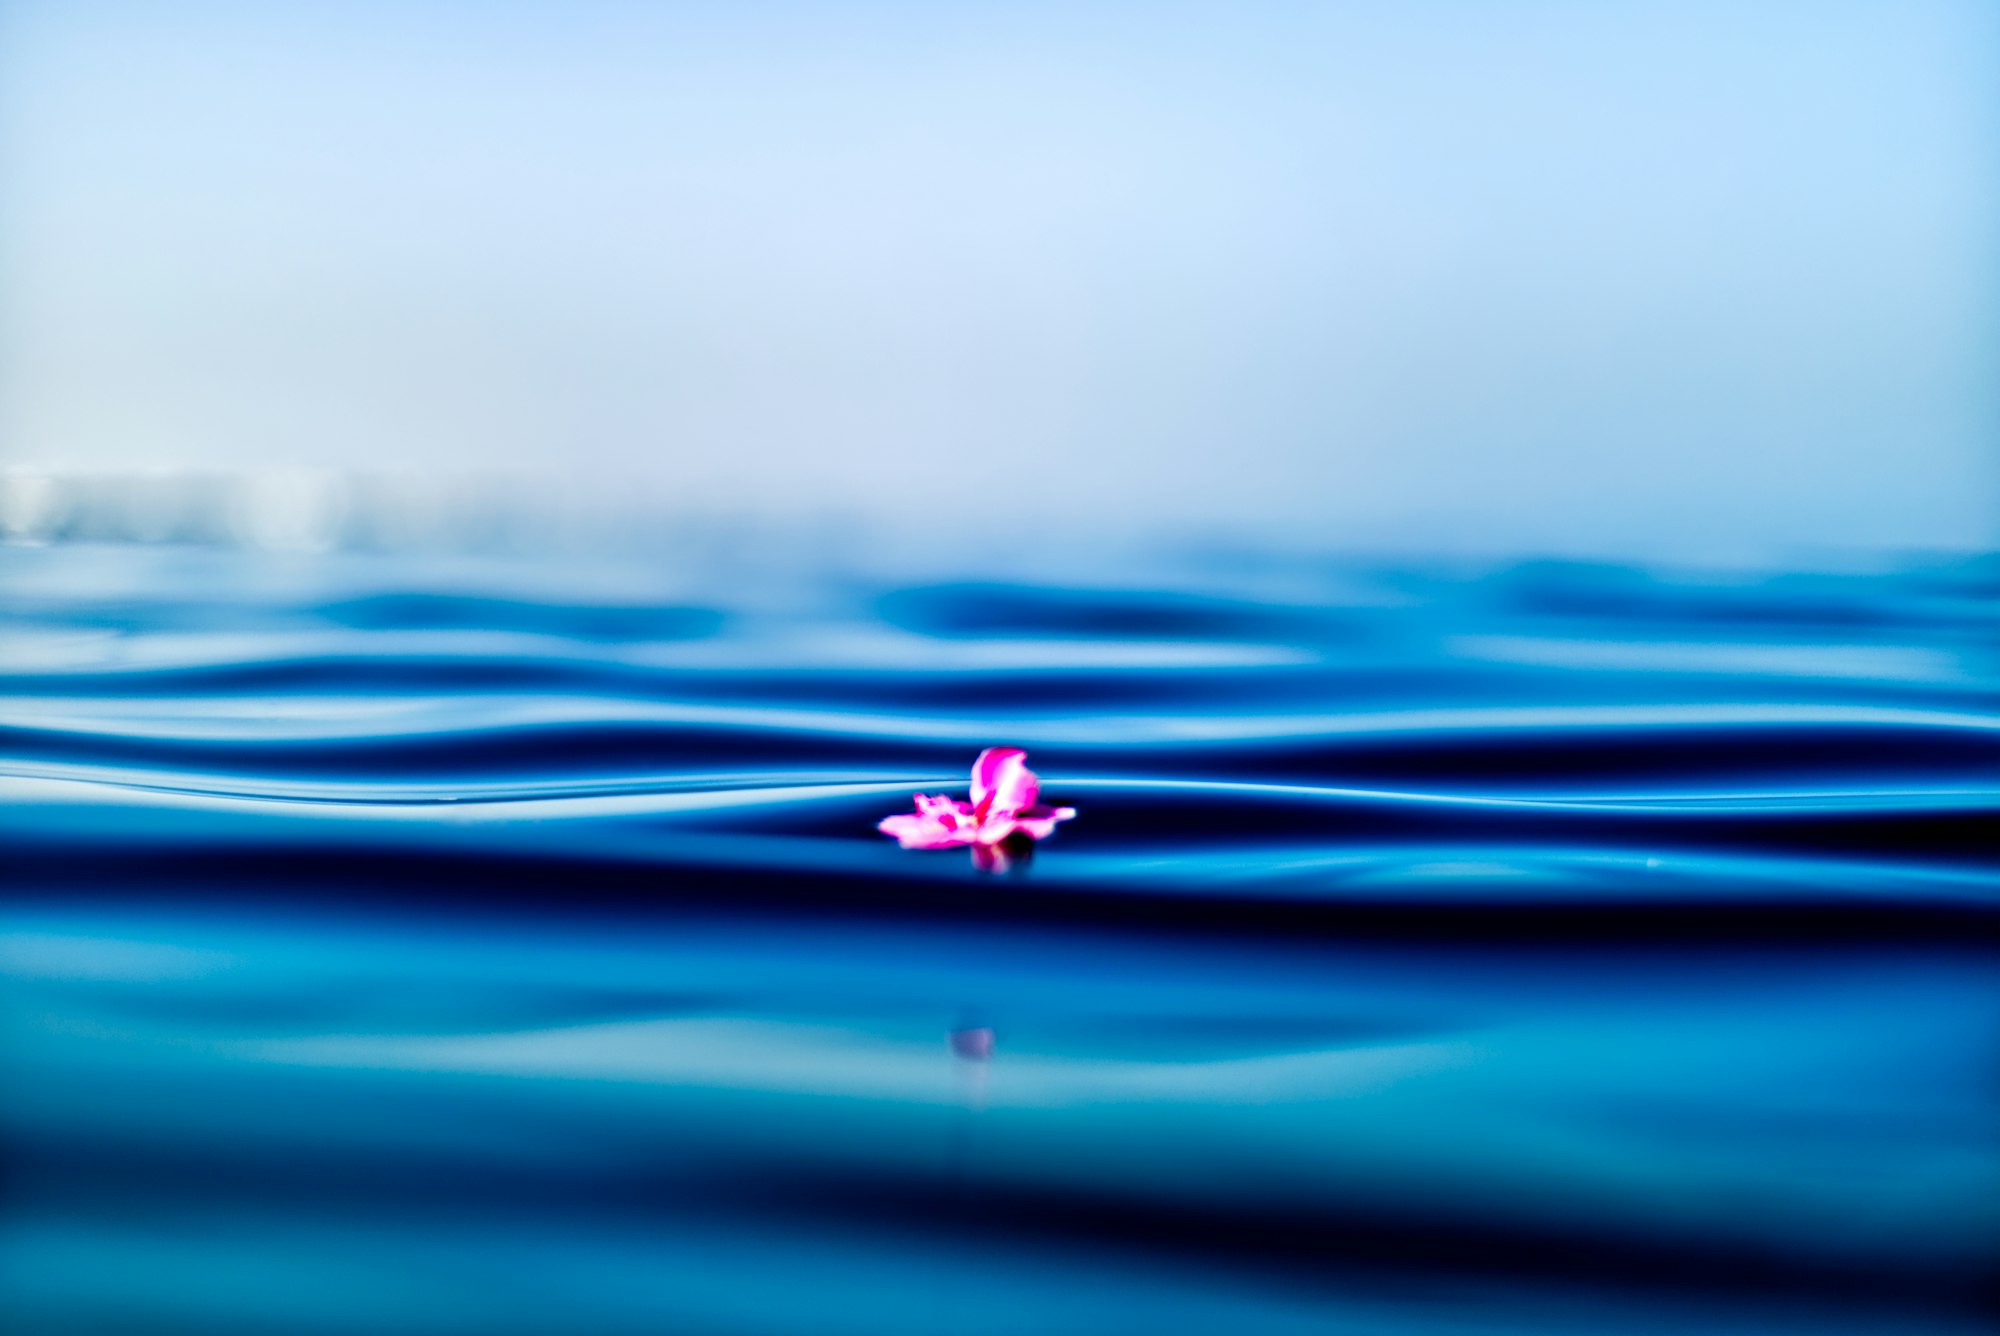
x=1003, y=803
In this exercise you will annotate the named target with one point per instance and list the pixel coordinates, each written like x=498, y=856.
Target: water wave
x=1558, y=949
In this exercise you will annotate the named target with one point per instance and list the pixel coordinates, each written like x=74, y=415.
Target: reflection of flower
x=1004, y=793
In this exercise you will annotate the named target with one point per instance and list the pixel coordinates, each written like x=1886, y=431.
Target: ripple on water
x=387, y=949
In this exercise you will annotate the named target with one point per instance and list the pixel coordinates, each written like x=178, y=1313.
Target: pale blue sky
x=1641, y=278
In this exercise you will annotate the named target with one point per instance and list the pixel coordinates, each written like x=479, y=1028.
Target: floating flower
x=1004, y=793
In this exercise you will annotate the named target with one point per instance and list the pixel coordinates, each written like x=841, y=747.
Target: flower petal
x=914, y=830
x=947, y=812
x=994, y=827
x=1001, y=780
x=1039, y=821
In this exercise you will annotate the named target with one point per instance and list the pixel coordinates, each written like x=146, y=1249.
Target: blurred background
x=1665, y=281
x=1487, y=510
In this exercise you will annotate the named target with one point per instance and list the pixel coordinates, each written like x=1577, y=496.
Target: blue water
x=449, y=945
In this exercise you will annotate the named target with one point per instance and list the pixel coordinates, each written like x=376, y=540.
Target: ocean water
x=437, y=944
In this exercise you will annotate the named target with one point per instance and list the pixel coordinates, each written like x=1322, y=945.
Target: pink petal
x=920, y=830
x=1039, y=821
x=1004, y=791
x=1001, y=780
x=995, y=827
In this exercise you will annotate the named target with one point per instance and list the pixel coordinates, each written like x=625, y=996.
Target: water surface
x=446, y=945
